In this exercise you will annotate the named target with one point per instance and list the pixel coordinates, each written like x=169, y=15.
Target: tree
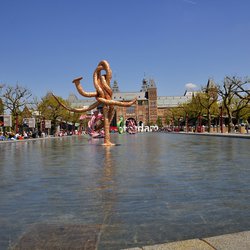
x=50, y=109
x=70, y=117
x=177, y=115
x=234, y=88
x=74, y=118
x=26, y=113
x=1, y=107
x=208, y=98
x=167, y=118
x=159, y=122
x=1, y=101
x=14, y=98
x=192, y=110
x=241, y=109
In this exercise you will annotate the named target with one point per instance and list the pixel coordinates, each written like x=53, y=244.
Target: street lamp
x=221, y=120
x=187, y=123
x=199, y=124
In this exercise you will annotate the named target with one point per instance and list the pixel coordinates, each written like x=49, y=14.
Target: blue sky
x=46, y=44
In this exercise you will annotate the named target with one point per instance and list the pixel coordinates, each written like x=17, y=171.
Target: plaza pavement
x=235, y=241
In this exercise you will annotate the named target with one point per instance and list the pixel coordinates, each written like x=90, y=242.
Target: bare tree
x=1, y=86
x=1, y=106
x=234, y=88
x=14, y=98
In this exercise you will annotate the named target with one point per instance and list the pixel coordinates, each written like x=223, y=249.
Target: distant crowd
x=5, y=136
x=17, y=136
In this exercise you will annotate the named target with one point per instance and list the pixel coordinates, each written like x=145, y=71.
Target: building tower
x=152, y=102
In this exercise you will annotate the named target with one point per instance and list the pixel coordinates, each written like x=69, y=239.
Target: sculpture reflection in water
x=103, y=95
x=108, y=197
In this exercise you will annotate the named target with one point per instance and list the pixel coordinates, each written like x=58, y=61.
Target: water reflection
x=108, y=193
x=150, y=189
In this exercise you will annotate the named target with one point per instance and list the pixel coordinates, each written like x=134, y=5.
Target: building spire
x=115, y=87
x=144, y=86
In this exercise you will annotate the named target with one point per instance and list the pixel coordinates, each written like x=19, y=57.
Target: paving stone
x=181, y=245
x=231, y=241
x=134, y=248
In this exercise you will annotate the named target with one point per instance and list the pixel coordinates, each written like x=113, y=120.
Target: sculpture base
x=108, y=144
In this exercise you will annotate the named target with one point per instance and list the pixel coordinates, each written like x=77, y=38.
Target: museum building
x=148, y=107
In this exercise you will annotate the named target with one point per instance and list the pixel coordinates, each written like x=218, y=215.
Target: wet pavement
x=239, y=241
x=152, y=188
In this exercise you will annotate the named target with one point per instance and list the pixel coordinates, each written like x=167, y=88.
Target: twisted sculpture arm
x=116, y=103
x=77, y=110
x=80, y=89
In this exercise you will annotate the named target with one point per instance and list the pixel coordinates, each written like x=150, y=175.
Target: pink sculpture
x=94, y=129
x=103, y=95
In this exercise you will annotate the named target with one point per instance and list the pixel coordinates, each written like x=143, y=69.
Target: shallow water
x=151, y=188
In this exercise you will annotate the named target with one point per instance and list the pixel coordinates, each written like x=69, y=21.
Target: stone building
x=146, y=110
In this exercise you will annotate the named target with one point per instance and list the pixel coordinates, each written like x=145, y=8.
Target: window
x=130, y=110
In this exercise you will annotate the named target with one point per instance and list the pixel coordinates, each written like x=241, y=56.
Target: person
x=247, y=126
x=2, y=137
x=25, y=136
x=11, y=135
x=17, y=136
x=39, y=133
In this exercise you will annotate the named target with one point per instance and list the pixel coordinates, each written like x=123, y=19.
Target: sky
x=45, y=44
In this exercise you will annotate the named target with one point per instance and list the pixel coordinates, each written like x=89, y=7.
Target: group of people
x=15, y=136
x=65, y=133
x=10, y=135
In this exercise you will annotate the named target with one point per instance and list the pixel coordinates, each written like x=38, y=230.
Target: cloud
x=190, y=86
x=190, y=1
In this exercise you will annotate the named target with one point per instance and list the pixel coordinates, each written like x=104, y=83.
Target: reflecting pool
x=151, y=188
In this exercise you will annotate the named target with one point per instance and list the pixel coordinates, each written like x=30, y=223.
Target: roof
x=171, y=101
x=128, y=96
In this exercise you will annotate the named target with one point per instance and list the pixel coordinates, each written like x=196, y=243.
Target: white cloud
x=190, y=86
x=190, y=1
